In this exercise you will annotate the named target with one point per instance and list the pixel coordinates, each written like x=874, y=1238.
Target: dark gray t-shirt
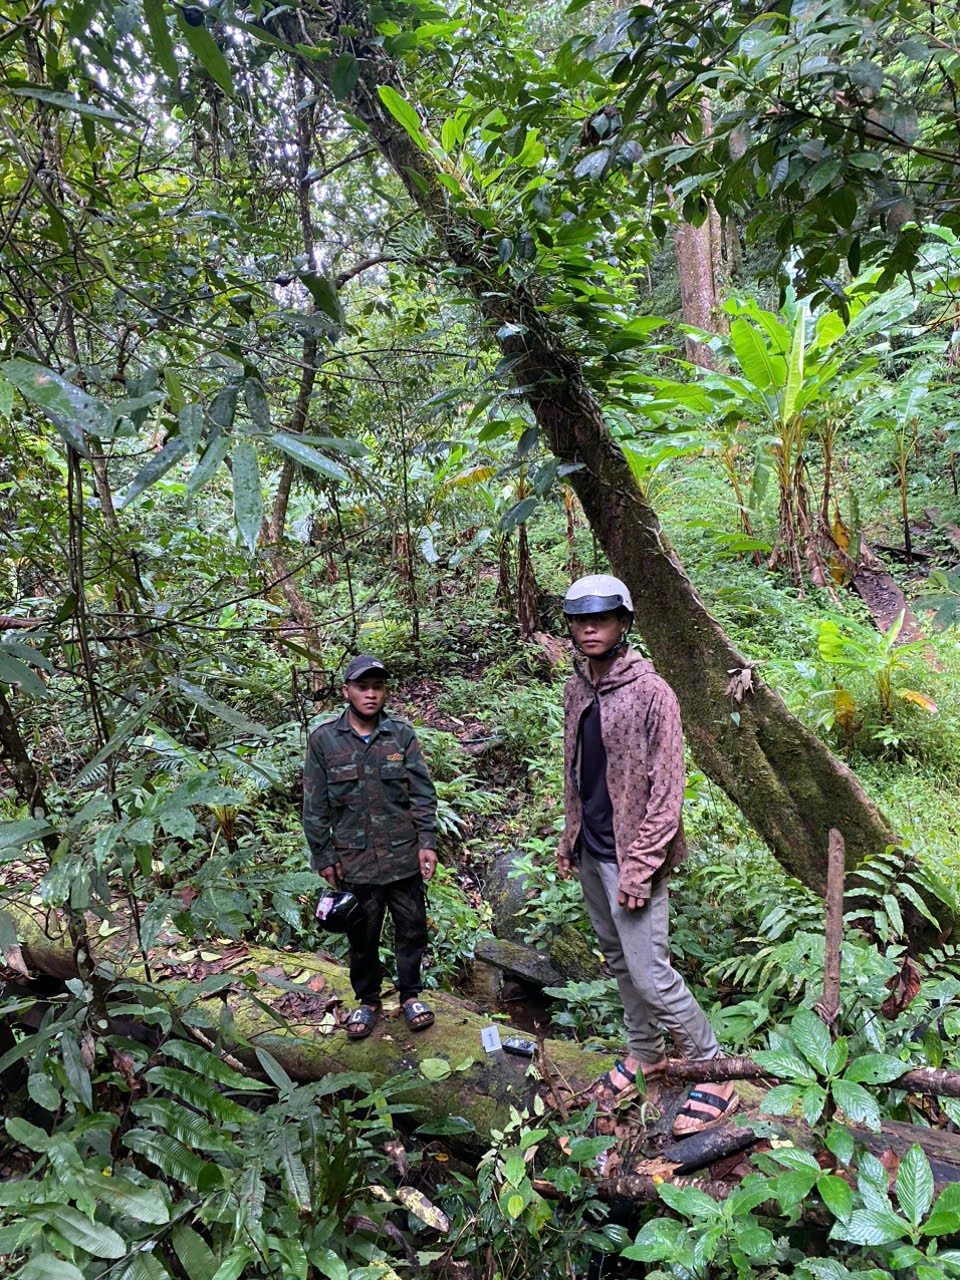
x=596, y=830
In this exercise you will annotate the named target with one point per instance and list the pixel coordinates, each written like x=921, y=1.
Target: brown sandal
x=700, y=1120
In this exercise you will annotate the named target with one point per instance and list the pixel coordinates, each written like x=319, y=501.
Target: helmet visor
x=592, y=604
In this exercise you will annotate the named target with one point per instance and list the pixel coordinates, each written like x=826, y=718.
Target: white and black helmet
x=597, y=593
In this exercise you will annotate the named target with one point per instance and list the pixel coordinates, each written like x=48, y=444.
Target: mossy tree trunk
x=782, y=777
x=479, y=1086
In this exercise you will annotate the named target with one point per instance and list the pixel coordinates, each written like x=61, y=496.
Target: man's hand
x=428, y=863
x=566, y=867
x=333, y=875
x=631, y=903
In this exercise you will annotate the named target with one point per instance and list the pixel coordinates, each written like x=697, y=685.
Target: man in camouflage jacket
x=370, y=819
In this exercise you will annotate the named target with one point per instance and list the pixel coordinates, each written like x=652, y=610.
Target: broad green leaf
x=295, y=448
x=27, y=653
x=142, y=1266
x=73, y=412
x=17, y=673
x=43, y=1091
x=914, y=1184
x=67, y=102
x=874, y=1068
x=142, y=1204
x=6, y=398
x=784, y=1065
x=856, y=1103
x=793, y=1187
x=689, y=1201
x=170, y=1156
x=235, y=1263
x=811, y=1037
x=836, y=1194
x=782, y=1100
x=201, y=1094
x=812, y=1103
x=258, y=406
x=870, y=1227
x=326, y=297
x=207, y=52
x=202, y=1061
x=794, y=382
x=95, y=1237
x=78, y=1077
x=46, y=1267
x=193, y=1252
x=183, y=1124
x=213, y=455
x=401, y=110
x=435, y=1068
x=944, y=1217
x=328, y=1263
x=151, y=471
x=221, y=710
x=761, y=367
x=837, y=1056
x=26, y=1134
x=292, y=1170
x=247, y=498
x=274, y=1070
x=346, y=73
x=155, y=15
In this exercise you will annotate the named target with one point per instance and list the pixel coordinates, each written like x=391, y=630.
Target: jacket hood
x=628, y=668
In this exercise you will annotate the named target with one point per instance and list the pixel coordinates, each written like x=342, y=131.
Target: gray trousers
x=636, y=947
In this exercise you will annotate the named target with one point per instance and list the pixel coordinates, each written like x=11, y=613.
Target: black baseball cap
x=363, y=665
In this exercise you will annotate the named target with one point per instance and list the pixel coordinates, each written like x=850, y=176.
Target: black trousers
x=407, y=905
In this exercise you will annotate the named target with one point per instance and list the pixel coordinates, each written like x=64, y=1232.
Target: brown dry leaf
x=424, y=1209
x=397, y=1153
x=741, y=682
x=126, y=1064
x=13, y=959
x=656, y=1167
x=902, y=987
x=317, y=983
x=919, y=700
x=88, y=1051
x=187, y=895
x=891, y=1162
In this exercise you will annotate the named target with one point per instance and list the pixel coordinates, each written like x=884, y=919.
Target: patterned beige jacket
x=643, y=739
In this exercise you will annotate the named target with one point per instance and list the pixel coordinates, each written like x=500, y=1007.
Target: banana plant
x=794, y=377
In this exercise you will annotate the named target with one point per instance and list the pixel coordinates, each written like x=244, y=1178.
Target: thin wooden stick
x=926, y=1080
x=828, y=1006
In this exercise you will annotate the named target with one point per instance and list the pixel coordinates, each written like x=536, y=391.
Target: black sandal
x=722, y=1106
x=416, y=1009
x=362, y=1021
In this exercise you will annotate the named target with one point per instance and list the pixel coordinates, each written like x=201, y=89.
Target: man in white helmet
x=623, y=799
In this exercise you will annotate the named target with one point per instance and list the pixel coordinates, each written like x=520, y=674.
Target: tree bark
x=783, y=778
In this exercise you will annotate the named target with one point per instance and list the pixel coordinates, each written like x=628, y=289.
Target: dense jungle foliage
x=333, y=327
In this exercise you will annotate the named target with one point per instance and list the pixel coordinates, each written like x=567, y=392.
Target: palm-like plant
x=795, y=376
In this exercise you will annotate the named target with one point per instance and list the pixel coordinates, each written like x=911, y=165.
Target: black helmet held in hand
x=338, y=910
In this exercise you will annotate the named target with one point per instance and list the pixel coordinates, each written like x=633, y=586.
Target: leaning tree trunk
x=783, y=778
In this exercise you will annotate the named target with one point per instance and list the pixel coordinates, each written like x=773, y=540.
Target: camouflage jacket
x=367, y=805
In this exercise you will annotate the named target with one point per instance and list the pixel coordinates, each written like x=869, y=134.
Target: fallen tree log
x=303, y=1027
x=925, y=1080
x=293, y=1004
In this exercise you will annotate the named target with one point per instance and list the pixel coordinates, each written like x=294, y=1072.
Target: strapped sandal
x=362, y=1021
x=609, y=1096
x=690, y=1120
x=419, y=1016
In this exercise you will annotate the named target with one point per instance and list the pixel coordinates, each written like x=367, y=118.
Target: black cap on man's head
x=363, y=665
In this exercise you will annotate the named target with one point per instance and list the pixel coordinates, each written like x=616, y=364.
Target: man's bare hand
x=333, y=875
x=631, y=903
x=428, y=863
x=566, y=867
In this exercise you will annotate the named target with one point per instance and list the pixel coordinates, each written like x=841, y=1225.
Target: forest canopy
x=348, y=327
